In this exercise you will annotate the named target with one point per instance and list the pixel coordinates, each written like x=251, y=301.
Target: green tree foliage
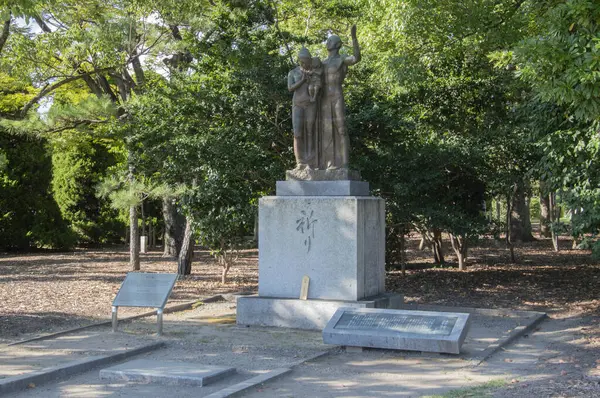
x=223, y=131
x=560, y=59
x=79, y=164
x=437, y=129
x=29, y=215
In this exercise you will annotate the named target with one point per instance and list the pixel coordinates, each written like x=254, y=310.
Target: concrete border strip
x=312, y=357
x=21, y=382
x=245, y=385
x=470, y=310
x=167, y=310
x=263, y=378
x=510, y=337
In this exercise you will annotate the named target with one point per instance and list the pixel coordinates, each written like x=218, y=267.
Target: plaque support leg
x=159, y=321
x=114, y=319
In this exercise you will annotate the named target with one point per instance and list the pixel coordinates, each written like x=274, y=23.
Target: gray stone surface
x=427, y=331
x=167, y=372
x=339, y=242
x=307, y=174
x=247, y=384
x=145, y=290
x=301, y=314
x=322, y=188
x=196, y=338
x=21, y=382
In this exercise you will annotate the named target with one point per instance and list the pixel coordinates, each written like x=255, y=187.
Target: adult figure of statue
x=334, y=143
x=301, y=81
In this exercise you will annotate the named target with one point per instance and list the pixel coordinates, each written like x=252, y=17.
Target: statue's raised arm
x=355, y=57
x=334, y=146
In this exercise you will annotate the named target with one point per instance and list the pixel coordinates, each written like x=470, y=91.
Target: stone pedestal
x=322, y=188
x=338, y=241
x=302, y=314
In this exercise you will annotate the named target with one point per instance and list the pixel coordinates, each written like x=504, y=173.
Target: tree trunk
x=422, y=243
x=5, y=32
x=459, y=245
x=153, y=231
x=134, y=241
x=576, y=238
x=143, y=214
x=403, y=250
x=186, y=254
x=436, y=246
x=226, y=266
x=545, y=216
x=498, y=212
x=509, y=243
x=174, y=228
x=520, y=218
x=255, y=231
x=553, y=220
x=544, y=211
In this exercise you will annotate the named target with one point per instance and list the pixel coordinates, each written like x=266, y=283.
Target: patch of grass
x=197, y=304
x=480, y=391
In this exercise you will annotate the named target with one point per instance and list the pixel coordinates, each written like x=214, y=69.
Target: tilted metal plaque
x=419, y=324
x=428, y=331
x=141, y=289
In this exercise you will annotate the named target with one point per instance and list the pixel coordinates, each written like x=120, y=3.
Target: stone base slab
x=322, y=188
x=167, y=372
x=322, y=175
x=302, y=314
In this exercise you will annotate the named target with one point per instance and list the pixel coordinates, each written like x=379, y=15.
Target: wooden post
x=159, y=321
x=114, y=319
x=304, y=289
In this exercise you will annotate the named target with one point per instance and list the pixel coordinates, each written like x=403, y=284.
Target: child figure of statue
x=314, y=77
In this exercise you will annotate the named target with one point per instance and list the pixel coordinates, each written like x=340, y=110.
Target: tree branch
x=175, y=32
x=121, y=85
x=42, y=24
x=77, y=124
x=5, y=33
x=107, y=89
x=48, y=88
x=81, y=122
x=139, y=72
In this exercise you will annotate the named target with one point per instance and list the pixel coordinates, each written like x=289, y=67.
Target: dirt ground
x=563, y=283
x=44, y=292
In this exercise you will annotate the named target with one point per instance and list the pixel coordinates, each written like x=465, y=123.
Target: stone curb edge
x=245, y=385
x=263, y=378
x=21, y=382
x=509, y=338
x=470, y=310
x=167, y=310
